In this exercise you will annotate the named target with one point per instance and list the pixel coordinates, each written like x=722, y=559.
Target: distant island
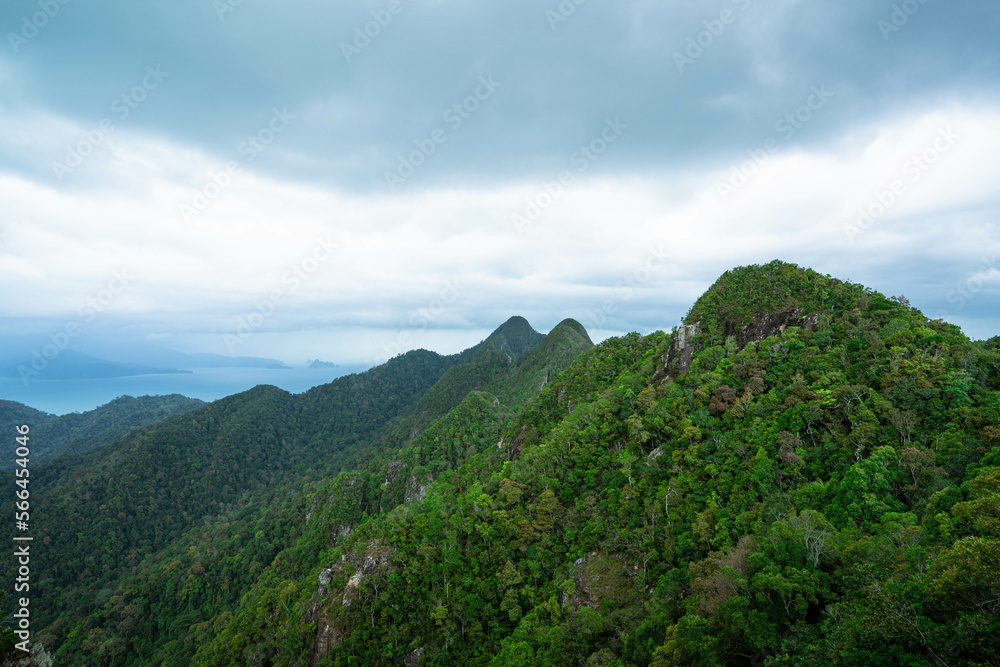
x=72, y=365
x=317, y=363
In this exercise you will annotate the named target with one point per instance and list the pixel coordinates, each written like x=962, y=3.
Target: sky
x=347, y=181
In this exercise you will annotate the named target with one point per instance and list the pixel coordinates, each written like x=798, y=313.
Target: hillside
x=100, y=513
x=824, y=494
x=805, y=472
x=13, y=413
x=82, y=433
x=233, y=459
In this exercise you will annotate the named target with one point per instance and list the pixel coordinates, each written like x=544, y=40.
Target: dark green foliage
x=83, y=433
x=482, y=367
x=828, y=494
x=13, y=414
x=513, y=338
x=533, y=371
x=250, y=450
x=101, y=514
x=777, y=287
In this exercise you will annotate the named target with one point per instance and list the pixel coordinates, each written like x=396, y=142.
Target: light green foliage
x=826, y=495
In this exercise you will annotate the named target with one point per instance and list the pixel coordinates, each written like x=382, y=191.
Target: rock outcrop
x=683, y=347
x=376, y=559
x=679, y=355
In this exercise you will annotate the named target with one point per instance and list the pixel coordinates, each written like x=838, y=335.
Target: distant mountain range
x=151, y=353
x=208, y=360
x=73, y=365
x=70, y=364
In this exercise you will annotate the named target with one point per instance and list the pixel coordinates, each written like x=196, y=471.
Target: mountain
x=316, y=363
x=73, y=365
x=245, y=451
x=82, y=433
x=14, y=414
x=514, y=338
x=205, y=360
x=153, y=354
x=804, y=472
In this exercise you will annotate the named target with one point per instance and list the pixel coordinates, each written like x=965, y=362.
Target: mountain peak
x=751, y=303
x=514, y=337
x=746, y=294
x=571, y=324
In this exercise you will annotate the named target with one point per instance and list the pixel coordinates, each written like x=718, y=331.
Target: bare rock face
x=312, y=507
x=393, y=470
x=341, y=533
x=769, y=324
x=416, y=490
x=413, y=657
x=325, y=577
x=327, y=636
x=350, y=590
x=679, y=355
x=681, y=352
x=599, y=577
x=375, y=559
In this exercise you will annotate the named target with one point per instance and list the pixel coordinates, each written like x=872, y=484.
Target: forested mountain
x=805, y=472
x=13, y=413
x=514, y=338
x=84, y=432
x=103, y=513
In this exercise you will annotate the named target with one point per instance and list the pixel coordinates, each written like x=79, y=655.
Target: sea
x=208, y=384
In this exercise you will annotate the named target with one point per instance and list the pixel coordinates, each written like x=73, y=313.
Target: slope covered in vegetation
x=827, y=494
x=817, y=483
x=236, y=462
x=99, y=514
x=85, y=432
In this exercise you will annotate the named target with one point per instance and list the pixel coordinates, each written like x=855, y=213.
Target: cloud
x=355, y=118
x=398, y=256
x=260, y=140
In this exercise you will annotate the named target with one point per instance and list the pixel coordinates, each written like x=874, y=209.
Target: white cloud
x=398, y=253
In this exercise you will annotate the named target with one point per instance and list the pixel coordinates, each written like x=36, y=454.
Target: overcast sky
x=348, y=180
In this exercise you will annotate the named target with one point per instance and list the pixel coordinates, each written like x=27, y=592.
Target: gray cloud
x=701, y=87
x=607, y=59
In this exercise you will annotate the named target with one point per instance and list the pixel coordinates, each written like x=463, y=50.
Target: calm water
x=208, y=384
